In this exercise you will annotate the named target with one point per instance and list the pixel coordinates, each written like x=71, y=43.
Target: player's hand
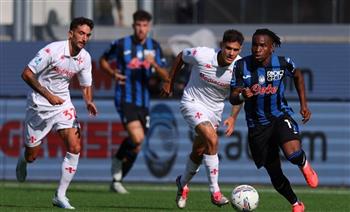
x=166, y=89
x=120, y=78
x=247, y=93
x=230, y=123
x=55, y=100
x=306, y=114
x=90, y=106
x=150, y=59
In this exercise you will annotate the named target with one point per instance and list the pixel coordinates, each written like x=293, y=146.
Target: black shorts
x=265, y=140
x=131, y=112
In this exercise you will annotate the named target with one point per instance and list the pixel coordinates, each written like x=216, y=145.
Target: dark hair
x=141, y=15
x=233, y=35
x=81, y=21
x=275, y=39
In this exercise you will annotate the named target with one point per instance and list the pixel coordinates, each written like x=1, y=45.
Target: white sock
x=211, y=163
x=68, y=169
x=190, y=170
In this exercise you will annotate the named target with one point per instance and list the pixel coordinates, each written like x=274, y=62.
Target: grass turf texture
x=35, y=196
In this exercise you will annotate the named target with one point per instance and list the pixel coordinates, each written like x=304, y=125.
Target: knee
x=196, y=157
x=298, y=157
x=212, y=145
x=75, y=149
x=30, y=158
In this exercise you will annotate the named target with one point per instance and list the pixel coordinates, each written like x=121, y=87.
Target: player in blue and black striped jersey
x=258, y=82
x=137, y=56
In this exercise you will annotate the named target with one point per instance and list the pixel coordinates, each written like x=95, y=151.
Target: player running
x=202, y=105
x=258, y=81
x=49, y=105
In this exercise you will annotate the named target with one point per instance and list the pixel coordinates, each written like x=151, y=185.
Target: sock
x=282, y=184
x=116, y=169
x=128, y=162
x=297, y=158
x=21, y=157
x=190, y=170
x=68, y=169
x=211, y=163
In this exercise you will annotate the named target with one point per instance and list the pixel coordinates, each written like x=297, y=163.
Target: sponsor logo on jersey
x=126, y=52
x=246, y=76
x=258, y=89
x=213, y=81
x=274, y=75
x=64, y=72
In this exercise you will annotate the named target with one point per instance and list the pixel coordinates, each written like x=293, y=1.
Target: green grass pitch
x=35, y=196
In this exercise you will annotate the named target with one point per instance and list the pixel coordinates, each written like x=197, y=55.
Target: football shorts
x=38, y=123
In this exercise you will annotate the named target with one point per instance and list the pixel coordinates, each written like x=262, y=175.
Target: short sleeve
x=189, y=55
x=112, y=52
x=41, y=60
x=237, y=76
x=290, y=67
x=85, y=75
x=160, y=59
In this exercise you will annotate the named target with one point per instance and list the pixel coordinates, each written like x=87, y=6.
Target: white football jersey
x=54, y=69
x=209, y=83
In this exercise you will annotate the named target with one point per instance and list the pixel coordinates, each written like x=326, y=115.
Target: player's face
x=262, y=48
x=79, y=36
x=141, y=29
x=229, y=52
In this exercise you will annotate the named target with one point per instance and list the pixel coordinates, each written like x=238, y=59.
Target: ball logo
x=161, y=142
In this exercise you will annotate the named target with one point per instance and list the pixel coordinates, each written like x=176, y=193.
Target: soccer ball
x=244, y=198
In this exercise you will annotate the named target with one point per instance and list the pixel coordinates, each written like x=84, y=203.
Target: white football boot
x=61, y=202
x=117, y=174
x=181, y=195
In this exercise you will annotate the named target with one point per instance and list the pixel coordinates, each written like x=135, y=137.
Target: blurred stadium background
x=315, y=33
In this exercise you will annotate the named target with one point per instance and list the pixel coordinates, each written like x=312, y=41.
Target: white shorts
x=38, y=123
x=195, y=113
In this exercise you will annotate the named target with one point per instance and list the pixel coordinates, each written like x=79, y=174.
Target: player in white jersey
x=202, y=105
x=49, y=105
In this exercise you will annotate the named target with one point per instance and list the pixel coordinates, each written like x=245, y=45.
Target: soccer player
x=202, y=105
x=137, y=57
x=258, y=82
x=49, y=105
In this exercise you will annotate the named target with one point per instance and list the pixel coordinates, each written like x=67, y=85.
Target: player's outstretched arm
x=168, y=84
x=300, y=86
x=87, y=95
x=29, y=77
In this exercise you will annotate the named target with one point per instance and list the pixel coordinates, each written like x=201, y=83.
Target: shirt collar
x=67, y=52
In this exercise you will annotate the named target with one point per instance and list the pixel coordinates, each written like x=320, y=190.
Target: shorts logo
x=274, y=75
x=198, y=115
x=32, y=139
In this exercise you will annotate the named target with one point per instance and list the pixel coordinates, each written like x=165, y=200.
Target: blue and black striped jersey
x=129, y=57
x=267, y=85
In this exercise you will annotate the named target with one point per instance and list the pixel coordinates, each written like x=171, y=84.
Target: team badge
x=261, y=79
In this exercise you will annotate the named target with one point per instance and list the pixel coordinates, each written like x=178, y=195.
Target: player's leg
x=208, y=135
x=280, y=181
x=192, y=167
x=71, y=138
x=127, y=154
x=291, y=146
x=36, y=128
x=28, y=155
